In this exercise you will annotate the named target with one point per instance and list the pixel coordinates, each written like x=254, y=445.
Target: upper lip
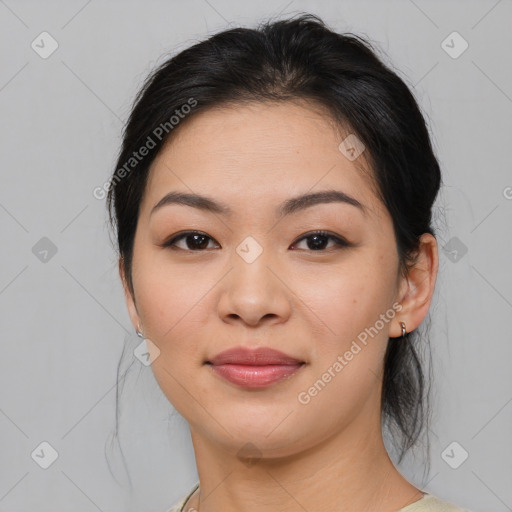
x=257, y=357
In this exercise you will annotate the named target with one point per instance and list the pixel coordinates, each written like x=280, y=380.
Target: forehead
x=259, y=153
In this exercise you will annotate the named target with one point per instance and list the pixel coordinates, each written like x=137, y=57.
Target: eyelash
x=340, y=242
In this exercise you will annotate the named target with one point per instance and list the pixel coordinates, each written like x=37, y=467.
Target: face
x=260, y=275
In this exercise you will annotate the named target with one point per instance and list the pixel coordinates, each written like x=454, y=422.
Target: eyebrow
x=288, y=207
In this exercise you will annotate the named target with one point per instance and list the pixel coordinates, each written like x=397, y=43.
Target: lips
x=254, y=368
x=254, y=357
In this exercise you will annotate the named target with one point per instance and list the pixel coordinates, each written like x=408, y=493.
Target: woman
x=273, y=201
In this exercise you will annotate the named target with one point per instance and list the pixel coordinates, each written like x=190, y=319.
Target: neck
x=349, y=472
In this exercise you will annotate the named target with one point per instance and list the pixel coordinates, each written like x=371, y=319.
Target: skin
x=310, y=304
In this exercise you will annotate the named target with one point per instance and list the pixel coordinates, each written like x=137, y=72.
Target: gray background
x=63, y=316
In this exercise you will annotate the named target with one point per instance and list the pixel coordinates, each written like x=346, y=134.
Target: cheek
x=340, y=303
x=172, y=305
x=348, y=345
x=349, y=339
x=165, y=291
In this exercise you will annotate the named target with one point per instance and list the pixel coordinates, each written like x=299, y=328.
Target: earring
x=402, y=324
x=139, y=331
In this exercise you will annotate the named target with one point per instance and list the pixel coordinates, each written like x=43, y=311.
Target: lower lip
x=255, y=376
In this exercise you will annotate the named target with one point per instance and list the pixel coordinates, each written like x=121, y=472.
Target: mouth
x=254, y=368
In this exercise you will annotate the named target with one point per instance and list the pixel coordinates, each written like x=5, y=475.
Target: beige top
x=429, y=503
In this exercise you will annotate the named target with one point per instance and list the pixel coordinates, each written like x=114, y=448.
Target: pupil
x=318, y=244
x=200, y=245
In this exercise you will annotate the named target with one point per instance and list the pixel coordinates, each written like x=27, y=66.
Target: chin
x=271, y=438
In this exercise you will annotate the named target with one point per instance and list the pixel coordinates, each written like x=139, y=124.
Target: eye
x=194, y=241
x=198, y=241
x=318, y=240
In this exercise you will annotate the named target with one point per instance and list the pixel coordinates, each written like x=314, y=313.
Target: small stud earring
x=402, y=324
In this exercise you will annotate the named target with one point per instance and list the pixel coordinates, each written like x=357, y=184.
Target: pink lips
x=254, y=368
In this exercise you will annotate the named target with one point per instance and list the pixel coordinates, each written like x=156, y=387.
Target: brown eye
x=318, y=240
x=193, y=241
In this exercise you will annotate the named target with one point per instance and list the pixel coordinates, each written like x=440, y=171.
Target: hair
x=300, y=58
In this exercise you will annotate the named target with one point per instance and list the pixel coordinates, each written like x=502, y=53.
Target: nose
x=254, y=292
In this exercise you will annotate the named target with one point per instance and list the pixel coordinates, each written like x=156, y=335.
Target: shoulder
x=432, y=503
x=429, y=503
x=178, y=507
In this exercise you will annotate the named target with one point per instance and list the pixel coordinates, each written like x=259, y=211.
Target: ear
x=417, y=288
x=129, y=297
